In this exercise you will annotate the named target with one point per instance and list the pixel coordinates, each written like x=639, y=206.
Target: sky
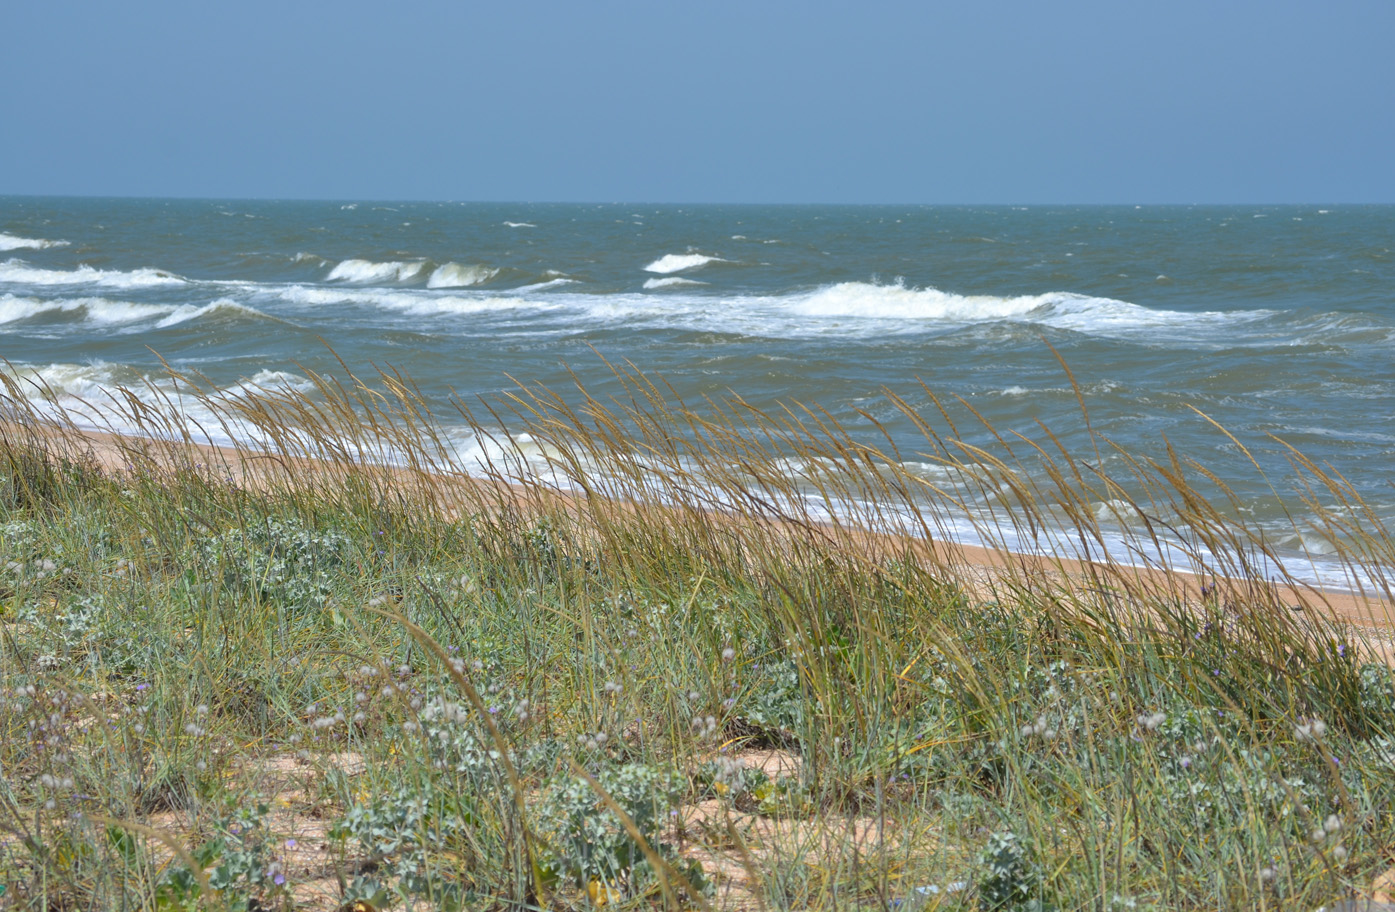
x=751, y=101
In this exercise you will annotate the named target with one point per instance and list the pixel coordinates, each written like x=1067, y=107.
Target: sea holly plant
x=240, y=865
x=281, y=560
x=588, y=845
x=398, y=831
x=1009, y=879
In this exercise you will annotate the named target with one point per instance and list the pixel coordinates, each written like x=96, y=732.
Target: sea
x=1228, y=337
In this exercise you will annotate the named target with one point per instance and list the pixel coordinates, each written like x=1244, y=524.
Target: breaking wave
x=98, y=311
x=681, y=262
x=13, y=242
x=453, y=275
x=21, y=273
x=223, y=307
x=672, y=282
x=364, y=271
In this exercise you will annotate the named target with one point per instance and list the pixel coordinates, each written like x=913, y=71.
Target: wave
x=223, y=307
x=364, y=271
x=520, y=224
x=19, y=272
x=93, y=310
x=673, y=282
x=1064, y=310
x=544, y=286
x=413, y=302
x=453, y=275
x=14, y=242
x=681, y=262
x=98, y=396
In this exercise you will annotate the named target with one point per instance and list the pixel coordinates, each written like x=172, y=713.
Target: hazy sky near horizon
x=1080, y=101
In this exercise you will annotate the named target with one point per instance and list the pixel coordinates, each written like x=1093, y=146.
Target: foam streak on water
x=1275, y=327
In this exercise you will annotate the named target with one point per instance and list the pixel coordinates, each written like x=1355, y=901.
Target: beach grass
x=662, y=655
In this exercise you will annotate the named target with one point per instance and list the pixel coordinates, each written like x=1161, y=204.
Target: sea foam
x=454, y=275
x=671, y=282
x=13, y=242
x=222, y=307
x=364, y=271
x=99, y=311
x=681, y=262
x=414, y=302
x=19, y=272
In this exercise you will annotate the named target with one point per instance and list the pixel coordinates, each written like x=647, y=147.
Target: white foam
x=544, y=286
x=304, y=257
x=414, y=302
x=453, y=275
x=681, y=262
x=520, y=225
x=99, y=311
x=278, y=381
x=363, y=271
x=19, y=272
x=671, y=282
x=187, y=312
x=913, y=308
x=14, y=242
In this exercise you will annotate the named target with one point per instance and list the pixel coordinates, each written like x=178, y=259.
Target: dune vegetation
x=663, y=655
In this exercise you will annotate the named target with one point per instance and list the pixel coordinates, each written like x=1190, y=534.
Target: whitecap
x=14, y=242
x=187, y=312
x=454, y=275
x=680, y=262
x=20, y=272
x=99, y=311
x=369, y=271
x=544, y=286
x=415, y=302
x=671, y=282
x=264, y=381
x=520, y=224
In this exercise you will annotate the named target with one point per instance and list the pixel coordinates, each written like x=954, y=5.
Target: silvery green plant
x=1009, y=877
x=280, y=559
x=399, y=830
x=586, y=841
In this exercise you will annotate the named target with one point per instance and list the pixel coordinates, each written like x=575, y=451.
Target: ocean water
x=1275, y=321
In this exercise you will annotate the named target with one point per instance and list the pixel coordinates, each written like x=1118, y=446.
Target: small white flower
x=1332, y=824
x=1339, y=854
x=728, y=654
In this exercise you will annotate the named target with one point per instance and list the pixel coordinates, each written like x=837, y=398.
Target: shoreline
x=978, y=566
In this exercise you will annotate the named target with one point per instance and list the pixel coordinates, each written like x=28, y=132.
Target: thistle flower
x=1312, y=730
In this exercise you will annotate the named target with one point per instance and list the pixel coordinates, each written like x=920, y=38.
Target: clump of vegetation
x=657, y=674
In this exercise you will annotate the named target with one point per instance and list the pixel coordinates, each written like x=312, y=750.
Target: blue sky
x=984, y=102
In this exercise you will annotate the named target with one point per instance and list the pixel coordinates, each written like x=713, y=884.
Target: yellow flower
x=601, y=894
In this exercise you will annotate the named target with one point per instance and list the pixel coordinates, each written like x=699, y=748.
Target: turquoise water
x=1273, y=320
